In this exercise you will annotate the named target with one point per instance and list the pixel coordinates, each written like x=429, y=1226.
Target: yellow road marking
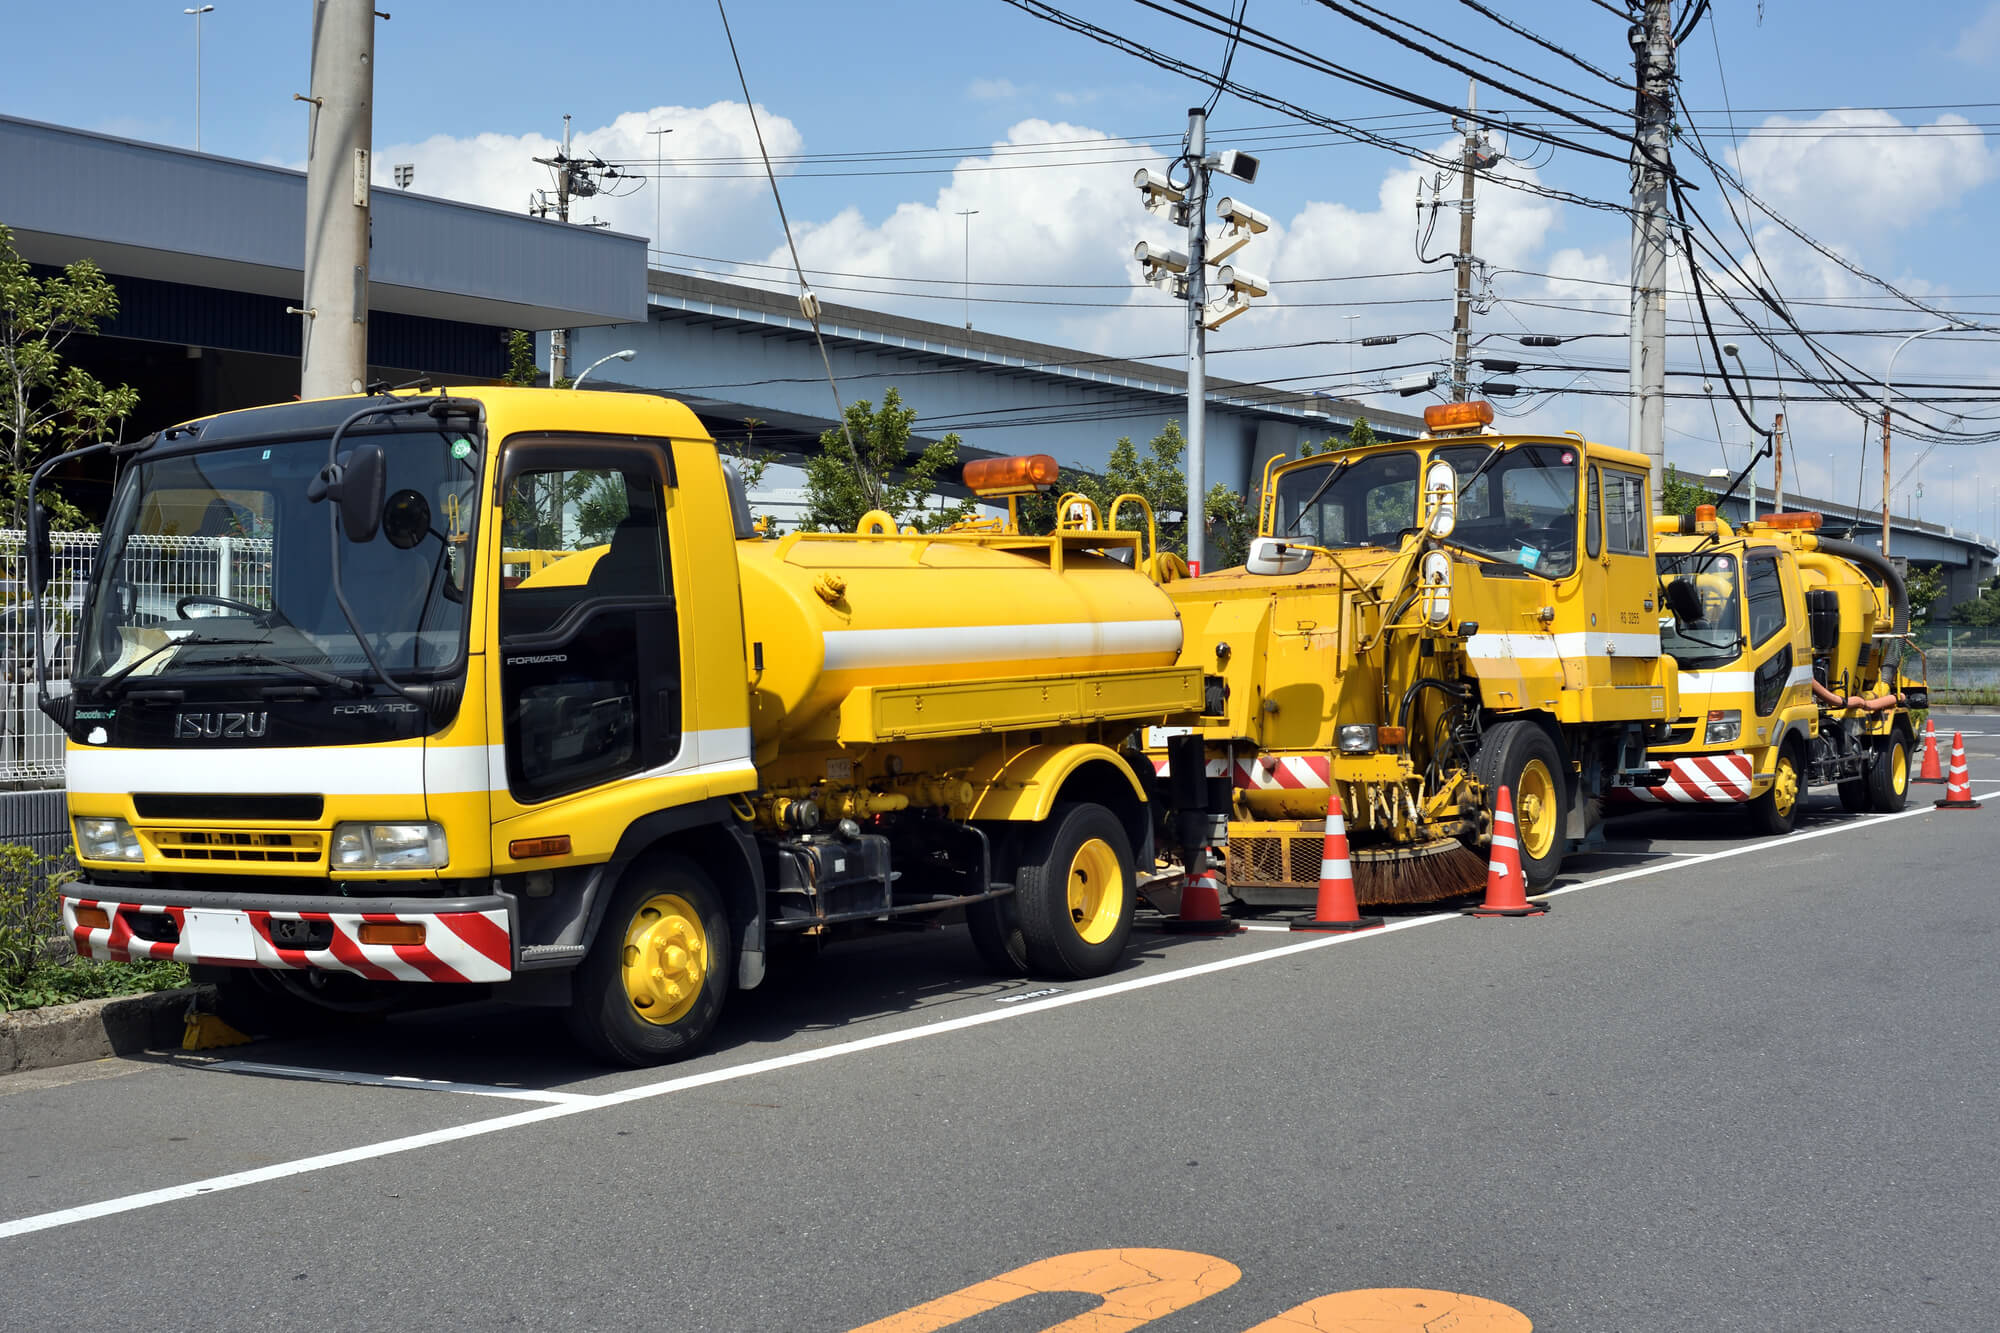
x=1138, y=1286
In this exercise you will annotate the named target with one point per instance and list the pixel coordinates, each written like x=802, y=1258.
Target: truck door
x=589, y=641
x=1625, y=627
x=1770, y=654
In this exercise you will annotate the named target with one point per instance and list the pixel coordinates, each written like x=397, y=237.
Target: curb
x=67, y=1034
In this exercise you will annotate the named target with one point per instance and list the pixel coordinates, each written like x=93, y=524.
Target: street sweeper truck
x=1797, y=669
x=499, y=690
x=1418, y=624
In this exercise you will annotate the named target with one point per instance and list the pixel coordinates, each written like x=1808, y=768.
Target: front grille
x=229, y=845
x=298, y=808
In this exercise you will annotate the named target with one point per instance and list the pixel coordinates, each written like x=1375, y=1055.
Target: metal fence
x=159, y=571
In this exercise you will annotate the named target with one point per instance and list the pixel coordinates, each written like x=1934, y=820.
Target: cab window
x=1625, y=512
x=1767, y=601
x=1351, y=500
x=1522, y=508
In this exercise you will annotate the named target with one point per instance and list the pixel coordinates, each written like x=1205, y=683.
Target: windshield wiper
x=328, y=678
x=1332, y=474
x=113, y=685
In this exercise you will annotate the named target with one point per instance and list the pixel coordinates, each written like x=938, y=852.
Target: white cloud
x=1979, y=42
x=1865, y=172
x=700, y=206
x=992, y=90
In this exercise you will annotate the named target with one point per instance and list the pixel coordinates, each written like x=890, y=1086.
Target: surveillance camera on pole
x=1242, y=223
x=1158, y=194
x=1242, y=281
x=1162, y=267
x=1414, y=384
x=1233, y=163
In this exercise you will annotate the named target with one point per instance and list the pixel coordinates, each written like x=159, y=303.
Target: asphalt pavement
x=1725, y=1083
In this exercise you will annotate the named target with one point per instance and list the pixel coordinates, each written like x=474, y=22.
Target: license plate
x=219, y=935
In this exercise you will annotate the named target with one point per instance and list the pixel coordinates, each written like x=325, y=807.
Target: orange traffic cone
x=1337, y=912
x=1201, y=907
x=1931, y=772
x=1958, y=791
x=1506, y=886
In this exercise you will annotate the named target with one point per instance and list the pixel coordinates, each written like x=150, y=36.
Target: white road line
x=394, y=1081
x=667, y=1087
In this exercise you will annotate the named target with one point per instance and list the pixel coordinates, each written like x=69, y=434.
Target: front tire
x=1889, y=775
x=654, y=982
x=1775, y=812
x=1521, y=757
x=1074, y=892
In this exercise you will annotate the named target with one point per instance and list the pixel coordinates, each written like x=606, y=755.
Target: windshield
x=1371, y=501
x=216, y=563
x=1522, y=508
x=1712, y=640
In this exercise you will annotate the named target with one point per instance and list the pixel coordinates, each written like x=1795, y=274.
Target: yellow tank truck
x=1796, y=669
x=498, y=690
x=1417, y=624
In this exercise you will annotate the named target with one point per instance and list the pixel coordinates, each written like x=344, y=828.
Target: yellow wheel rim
x=1535, y=809
x=666, y=958
x=1785, y=787
x=1096, y=891
x=1899, y=768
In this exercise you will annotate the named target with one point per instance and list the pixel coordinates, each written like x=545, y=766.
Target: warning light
x=1010, y=476
x=1458, y=416
x=1805, y=522
x=93, y=918
x=1704, y=513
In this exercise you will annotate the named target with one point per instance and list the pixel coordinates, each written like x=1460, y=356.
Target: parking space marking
x=22, y=1226
x=307, y=1073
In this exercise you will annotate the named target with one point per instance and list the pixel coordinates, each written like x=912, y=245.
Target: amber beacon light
x=1458, y=416
x=1024, y=475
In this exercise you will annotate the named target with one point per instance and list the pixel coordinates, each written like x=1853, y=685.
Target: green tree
x=1679, y=496
x=522, y=372
x=1926, y=586
x=1982, y=612
x=45, y=405
x=1359, y=436
x=1159, y=474
x=844, y=482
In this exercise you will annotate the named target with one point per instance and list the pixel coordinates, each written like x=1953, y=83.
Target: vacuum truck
x=499, y=689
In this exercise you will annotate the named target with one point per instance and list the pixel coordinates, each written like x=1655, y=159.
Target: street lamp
x=1731, y=350
x=1885, y=422
x=968, y=214
x=659, y=183
x=198, y=11
x=625, y=355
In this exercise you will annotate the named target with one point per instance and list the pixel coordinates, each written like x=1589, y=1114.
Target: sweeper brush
x=1425, y=872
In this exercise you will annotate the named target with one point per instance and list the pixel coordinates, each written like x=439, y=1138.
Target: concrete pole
x=335, y=358
x=1197, y=303
x=559, y=338
x=1653, y=56
x=1462, y=319
x=1887, y=376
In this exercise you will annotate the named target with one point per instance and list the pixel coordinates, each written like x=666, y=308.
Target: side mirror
x=1683, y=600
x=1435, y=584
x=357, y=484
x=1440, y=498
x=1276, y=556
x=41, y=554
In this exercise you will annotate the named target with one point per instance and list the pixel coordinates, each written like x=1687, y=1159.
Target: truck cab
x=1795, y=669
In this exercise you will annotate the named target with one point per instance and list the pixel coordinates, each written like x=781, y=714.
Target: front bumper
x=1724, y=778
x=465, y=939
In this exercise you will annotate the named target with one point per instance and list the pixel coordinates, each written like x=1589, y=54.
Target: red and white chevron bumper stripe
x=458, y=946
x=1703, y=779
x=1289, y=772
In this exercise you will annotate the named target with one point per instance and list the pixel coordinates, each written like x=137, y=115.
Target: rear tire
x=1889, y=776
x=1521, y=757
x=1074, y=892
x=1854, y=796
x=654, y=982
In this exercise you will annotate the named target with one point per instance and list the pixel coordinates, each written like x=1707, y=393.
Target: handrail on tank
x=1152, y=547
x=1093, y=518
x=876, y=523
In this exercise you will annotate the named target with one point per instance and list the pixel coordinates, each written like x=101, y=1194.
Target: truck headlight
x=108, y=840
x=1356, y=738
x=1724, y=725
x=389, y=847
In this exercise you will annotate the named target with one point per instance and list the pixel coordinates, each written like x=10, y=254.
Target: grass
x=1981, y=694
x=37, y=967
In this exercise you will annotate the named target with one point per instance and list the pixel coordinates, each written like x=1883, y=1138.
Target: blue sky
x=468, y=92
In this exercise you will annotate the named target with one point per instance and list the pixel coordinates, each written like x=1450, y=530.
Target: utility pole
x=1653, y=60
x=565, y=171
x=1777, y=465
x=659, y=183
x=1197, y=308
x=1462, y=321
x=335, y=353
